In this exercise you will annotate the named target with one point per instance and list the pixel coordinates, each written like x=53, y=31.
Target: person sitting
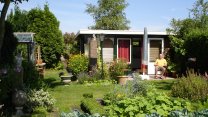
x=160, y=65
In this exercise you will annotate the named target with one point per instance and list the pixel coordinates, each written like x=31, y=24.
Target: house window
x=155, y=49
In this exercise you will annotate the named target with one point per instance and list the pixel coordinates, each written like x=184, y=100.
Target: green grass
x=68, y=97
x=163, y=85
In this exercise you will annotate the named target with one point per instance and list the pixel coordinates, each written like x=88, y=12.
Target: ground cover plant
x=123, y=101
x=68, y=97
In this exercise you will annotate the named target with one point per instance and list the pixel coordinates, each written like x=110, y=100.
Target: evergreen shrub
x=91, y=106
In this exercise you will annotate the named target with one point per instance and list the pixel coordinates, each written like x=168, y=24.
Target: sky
x=153, y=14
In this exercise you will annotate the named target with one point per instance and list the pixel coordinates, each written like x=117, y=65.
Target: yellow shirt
x=161, y=62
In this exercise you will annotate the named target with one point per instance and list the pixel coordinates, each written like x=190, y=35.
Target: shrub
x=82, y=77
x=88, y=95
x=39, y=98
x=191, y=87
x=118, y=67
x=91, y=106
x=78, y=63
x=31, y=76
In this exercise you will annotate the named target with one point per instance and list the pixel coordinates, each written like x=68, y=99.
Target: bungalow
x=139, y=48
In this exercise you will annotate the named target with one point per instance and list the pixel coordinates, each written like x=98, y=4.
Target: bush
x=88, y=95
x=191, y=87
x=78, y=63
x=91, y=106
x=39, y=98
x=117, y=68
x=82, y=77
x=31, y=76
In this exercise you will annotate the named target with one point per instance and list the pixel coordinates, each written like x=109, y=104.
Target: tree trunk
x=2, y=22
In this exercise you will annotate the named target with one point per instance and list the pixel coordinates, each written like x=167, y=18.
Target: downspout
x=145, y=52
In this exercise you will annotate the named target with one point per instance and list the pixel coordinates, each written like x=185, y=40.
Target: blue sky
x=153, y=14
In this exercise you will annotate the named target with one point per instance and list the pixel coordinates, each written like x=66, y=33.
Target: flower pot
x=122, y=80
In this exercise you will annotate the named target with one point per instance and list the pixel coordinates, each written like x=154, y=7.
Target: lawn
x=68, y=97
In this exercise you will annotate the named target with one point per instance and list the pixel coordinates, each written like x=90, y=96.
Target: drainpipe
x=145, y=52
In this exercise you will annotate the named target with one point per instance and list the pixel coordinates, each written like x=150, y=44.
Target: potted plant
x=118, y=68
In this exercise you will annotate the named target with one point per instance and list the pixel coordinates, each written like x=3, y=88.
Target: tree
x=109, y=14
x=191, y=33
x=47, y=34
x=70, y=43
x=4, y=10
x=9, y=46
x=200, y=12
x=18, y=18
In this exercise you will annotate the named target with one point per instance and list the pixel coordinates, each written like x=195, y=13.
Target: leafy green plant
x=82, y=77
x=91, y=106
x=39, y=112
x=152, y=103
x=39, y=98
x=78, y=63
x=191, y=87
x=186, y=113
x=140, y=99
x=118, y=67
x=131, y=89
x=31, y=76
x=76, y=113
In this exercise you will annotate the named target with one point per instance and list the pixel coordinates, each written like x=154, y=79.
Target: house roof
x=118, y=32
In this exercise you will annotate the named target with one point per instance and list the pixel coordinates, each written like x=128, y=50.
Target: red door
x=124, y=49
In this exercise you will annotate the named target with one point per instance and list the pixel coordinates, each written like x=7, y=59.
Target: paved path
x=147, y=77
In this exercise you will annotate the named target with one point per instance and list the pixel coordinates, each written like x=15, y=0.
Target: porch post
x=145, y=52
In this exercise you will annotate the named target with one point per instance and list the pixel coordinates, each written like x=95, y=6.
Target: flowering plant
x=118, y=67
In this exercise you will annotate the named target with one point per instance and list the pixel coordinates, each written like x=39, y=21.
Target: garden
x=71, y=88
x=91, y=95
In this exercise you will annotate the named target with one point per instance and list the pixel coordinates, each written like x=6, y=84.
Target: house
x=139, y=48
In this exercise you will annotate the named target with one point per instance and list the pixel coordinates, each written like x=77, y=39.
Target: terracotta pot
x=122, y=80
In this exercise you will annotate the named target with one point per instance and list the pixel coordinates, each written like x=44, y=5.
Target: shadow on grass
x=164, y=85
x=52, y=82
